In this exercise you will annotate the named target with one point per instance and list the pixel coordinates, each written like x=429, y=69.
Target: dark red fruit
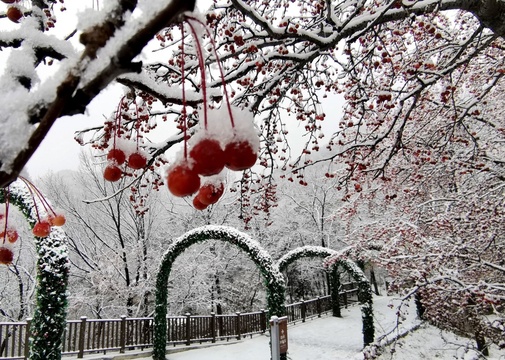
x=197, y=203
x=10, y=1
x=137, y=161
x=112, y=173
x=209, y=193
x=183, y=181
x=14, y=14
x=208, y=157
x=6, y=256
x=239, y=155
x=117, y=156
x=41, y=229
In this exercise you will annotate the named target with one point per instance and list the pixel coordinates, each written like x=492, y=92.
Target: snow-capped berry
x=11, y=235
x=41, y=229
x=239, y=155
x=116, y=156
x=208, y=157
x=137, y=161
x=210, y=193
x=183, y=181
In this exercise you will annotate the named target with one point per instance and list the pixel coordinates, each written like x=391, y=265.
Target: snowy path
x=332, y=338
x=323, y=339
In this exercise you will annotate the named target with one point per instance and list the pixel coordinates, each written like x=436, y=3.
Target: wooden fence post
x=263, y=321
x=303, y=308
x=237, y=325
x=213, y=326
x=122, y=335
x=344, y=295
x=82, y=334
x=188, y=329
x=318, y=306
x=27, y=337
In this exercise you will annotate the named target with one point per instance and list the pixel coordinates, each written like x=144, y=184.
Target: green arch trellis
x=49, y=320
x=365, y=296
x=274, y=281
x=312, y=252
x=364, y=289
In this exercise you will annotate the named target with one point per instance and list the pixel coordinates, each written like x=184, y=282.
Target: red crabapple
x=239, y=155
x=183, y=181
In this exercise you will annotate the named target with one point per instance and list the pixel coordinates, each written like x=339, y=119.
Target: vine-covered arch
x=335, y=260
x=312, y=252
x=365, y=296
x=49, y=319
x=274, y=281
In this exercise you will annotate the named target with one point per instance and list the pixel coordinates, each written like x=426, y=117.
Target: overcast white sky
x=59, y=150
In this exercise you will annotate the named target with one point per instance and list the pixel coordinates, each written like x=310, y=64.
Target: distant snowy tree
x=440, y=236
x=113, y=243
x=115, y=246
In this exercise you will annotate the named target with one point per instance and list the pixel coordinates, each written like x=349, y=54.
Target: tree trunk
x=335, y=296
x=374, y=281
x=419, y=306
x=481, y=342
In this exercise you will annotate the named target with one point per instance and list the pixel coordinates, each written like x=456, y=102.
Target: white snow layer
x=331, y=338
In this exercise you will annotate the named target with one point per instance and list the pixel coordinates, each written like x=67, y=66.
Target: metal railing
x=87, y=336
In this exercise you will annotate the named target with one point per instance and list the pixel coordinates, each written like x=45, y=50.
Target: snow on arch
x=274, y=281
x=304, y=251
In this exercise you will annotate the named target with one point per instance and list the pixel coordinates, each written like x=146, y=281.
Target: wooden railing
x=86, y=336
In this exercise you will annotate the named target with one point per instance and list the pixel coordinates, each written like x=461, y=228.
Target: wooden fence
x=87, y=336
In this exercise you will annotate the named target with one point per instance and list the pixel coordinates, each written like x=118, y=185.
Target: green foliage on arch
x=273, y=279
x=365, y=296
x=312, y=252
x=49, y=320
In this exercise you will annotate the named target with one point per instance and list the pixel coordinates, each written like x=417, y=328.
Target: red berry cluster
x=42, y=228
x=116, y=156
x=208, y=156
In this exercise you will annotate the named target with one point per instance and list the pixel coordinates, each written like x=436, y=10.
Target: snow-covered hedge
x=274, y=280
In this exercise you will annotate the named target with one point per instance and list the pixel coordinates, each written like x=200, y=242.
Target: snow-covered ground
x=332, y=338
